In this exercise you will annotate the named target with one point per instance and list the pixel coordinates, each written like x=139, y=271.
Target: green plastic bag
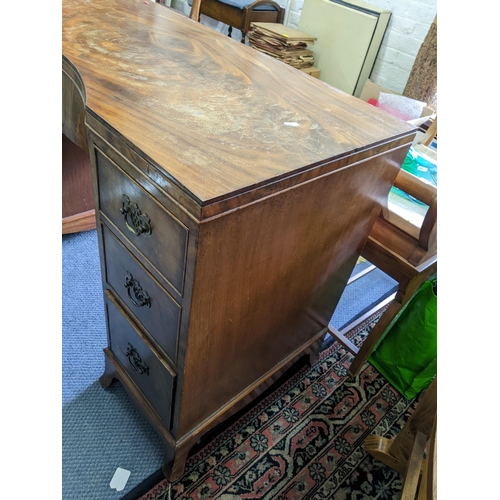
x=407, y=353
x=420, y=167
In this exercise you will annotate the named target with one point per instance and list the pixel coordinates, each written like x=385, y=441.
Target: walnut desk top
x=233, y=195
x=169, y=85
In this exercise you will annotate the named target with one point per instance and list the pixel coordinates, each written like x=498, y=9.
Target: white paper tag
x=291, y=124
x=422, y=169
x=119, y=479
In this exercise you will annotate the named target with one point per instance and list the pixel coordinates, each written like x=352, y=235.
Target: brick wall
x=408, y=26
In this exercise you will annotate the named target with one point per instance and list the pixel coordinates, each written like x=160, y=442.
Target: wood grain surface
x=260, y=185
x=77, y=192
x=209, y=111
x=161, y=317
x=269, y=277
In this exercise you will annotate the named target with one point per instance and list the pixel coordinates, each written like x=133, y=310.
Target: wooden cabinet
x=78, y=212
x=232, y=202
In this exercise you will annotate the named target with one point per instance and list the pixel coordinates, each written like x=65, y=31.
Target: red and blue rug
x=304, y=441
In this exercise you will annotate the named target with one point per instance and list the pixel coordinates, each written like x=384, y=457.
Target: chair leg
x=195, y=10
x=405, y=293
x=372, y=339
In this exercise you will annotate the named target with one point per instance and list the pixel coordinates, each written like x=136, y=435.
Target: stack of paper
x=283, y=43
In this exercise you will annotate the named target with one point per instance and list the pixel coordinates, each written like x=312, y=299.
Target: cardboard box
x=311, y=70
x=372, y=91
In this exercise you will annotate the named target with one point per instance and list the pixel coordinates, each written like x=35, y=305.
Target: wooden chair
x=430, y=133
x=194, y=14
x=405, y=453
x=240, y=14
x=405, y=252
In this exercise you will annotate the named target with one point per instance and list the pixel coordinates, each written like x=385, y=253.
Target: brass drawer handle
x=136, y=222
x=141, y=297
x=135, y=361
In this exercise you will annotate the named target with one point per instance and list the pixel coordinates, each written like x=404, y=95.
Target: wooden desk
x=226, y=235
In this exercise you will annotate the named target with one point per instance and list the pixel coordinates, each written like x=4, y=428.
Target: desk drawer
x=150, y=373
x=154, y=231
x=151, y=305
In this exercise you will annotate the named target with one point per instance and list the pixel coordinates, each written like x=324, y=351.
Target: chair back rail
x=195, y=10
x=423, y=239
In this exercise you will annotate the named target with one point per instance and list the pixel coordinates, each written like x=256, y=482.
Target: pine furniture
x=233, y=197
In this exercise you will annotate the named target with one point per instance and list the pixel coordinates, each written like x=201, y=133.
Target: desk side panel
x=269, y=276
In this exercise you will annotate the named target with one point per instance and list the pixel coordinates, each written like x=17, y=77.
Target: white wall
x=408, y=26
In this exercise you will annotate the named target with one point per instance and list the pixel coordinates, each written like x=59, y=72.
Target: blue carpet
x=361, y=295
x=101, y=429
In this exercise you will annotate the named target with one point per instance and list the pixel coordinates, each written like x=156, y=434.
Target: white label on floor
x=120, y=479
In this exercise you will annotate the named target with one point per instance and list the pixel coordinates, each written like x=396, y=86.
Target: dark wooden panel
x=156, y=382
x=157, y=311
x=73, y=106
x=166, y=246
x=269, y=276
x=233, y=16
x=77, y=192
x=78, y=213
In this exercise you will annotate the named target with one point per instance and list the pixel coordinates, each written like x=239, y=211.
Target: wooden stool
x=240, y=13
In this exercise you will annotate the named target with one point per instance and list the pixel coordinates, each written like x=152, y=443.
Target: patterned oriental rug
x=303, y=441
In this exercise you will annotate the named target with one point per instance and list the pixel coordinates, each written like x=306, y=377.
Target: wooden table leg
x=109, y=375
x=175, y=460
